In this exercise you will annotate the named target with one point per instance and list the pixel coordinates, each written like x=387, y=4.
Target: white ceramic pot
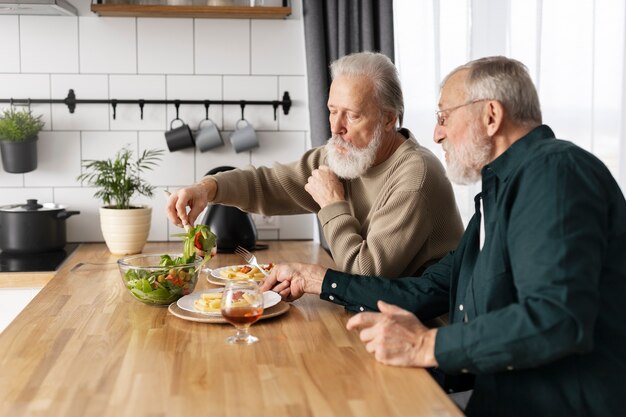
x=125, y=231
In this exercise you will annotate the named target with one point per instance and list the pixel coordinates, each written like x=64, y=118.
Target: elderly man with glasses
x=535, y=290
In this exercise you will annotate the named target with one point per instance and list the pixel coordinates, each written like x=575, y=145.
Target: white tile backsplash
x=10, y=45
x=175, y=168
x=104, y=145
x=49, y=44
x=277, y=47
x=253, y=88
x=146, y=87
x=107, y=45
x=151, y=59
x=277, y=146
x=165, y=46
x=299, y=113
x=58, y=160
x=85, y=116
x=222, y=46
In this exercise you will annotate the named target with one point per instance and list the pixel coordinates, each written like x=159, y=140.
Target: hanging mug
x=179, y=137
x=244, y=137
x=208, y=136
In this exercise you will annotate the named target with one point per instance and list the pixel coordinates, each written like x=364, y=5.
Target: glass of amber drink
x=242, y=305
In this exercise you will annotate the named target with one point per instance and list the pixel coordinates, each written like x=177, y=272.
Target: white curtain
x=574, y=50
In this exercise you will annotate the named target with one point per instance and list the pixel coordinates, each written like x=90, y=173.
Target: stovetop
x=35, y=262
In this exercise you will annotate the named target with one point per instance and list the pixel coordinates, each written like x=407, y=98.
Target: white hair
x=383, y=73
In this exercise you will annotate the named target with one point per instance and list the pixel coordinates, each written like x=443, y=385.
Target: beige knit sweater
x=398, y=218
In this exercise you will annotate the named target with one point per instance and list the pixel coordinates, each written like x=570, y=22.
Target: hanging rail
x=71, y=102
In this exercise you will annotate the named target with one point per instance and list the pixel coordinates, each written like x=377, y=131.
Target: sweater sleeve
x=270, y=191
x=402, y=222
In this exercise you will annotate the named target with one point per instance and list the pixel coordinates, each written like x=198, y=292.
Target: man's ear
x=494, y=117
x=389, y=121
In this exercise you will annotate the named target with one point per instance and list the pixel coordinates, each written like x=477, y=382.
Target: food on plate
x=211, y=302
x=245, y=272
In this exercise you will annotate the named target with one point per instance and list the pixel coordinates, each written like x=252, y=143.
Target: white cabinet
x=12, y=302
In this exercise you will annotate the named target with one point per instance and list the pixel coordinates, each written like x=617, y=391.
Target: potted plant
x=124, y=226
x=18, y=140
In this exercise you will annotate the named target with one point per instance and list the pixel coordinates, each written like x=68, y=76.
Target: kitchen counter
x=85, y=347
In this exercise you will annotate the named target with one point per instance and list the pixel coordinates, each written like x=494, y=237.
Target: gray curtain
x=332, y=29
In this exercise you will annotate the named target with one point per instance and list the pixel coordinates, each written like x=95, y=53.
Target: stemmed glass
x=242, y=305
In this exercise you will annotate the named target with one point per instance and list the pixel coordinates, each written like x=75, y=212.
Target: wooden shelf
x=216, y=12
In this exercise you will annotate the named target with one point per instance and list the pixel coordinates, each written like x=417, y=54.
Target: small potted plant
x=125, y=227
x=18, y=140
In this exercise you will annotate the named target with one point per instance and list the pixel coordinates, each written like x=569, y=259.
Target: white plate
x=270, y=298
x=215, y=276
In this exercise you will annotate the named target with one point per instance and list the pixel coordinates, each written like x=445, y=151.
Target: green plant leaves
x=17, y=126
x=118, y=180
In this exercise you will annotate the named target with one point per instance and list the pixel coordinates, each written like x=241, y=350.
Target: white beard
x=467, y=160
x=356, y=161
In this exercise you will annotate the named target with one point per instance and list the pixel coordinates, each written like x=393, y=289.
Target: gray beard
x=466, y=161
x=357, y=161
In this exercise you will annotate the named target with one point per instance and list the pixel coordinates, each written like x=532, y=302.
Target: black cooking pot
x=33, y=227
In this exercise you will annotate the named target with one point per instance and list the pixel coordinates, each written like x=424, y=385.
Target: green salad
x=174, y=277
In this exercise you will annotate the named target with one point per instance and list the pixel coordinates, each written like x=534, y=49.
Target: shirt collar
x=508, y=162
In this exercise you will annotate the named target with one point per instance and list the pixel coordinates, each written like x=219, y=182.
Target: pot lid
x=32, y=205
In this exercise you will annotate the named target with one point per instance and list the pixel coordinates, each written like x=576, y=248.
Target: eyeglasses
x=443, y=114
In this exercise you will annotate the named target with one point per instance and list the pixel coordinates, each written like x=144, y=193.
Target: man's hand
x=196, y=197
x=292, y=281
x=325, y=187
x=396, y=337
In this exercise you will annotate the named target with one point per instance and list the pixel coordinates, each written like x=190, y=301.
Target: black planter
x=19, y=157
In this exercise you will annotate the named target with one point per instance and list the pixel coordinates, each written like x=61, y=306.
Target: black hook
x=177, y=105
x=70, y=101
x=207, y=103
x=275, y=105
x=242, y=103
x=141, y=104
x=28, y=104
x=114, y=105
x=11, y=103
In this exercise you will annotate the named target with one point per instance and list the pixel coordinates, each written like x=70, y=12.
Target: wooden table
x=85, y=347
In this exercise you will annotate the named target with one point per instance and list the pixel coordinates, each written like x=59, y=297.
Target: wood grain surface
x=85, y=347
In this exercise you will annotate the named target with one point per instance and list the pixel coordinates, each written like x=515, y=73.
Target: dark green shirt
x=539, y=314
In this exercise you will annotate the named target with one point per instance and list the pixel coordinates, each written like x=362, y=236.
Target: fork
x=249, y=258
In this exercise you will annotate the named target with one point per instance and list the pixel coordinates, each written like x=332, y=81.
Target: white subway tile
x=49, y=44
x=107, y=45
x=158, y=221
x=20, y=195
x=298, y=117
x=280, y=147
x=85, y=116
x=297, y=226
x=175, y=168
x=278, y=47
x=267, y=234
x=25, y=86
x=195, y=87
x=165, y=46
x=222, y=46
x=8, y=179
x=135, y=87
x=10, y=45
x=83, y=227
x=251, y=88
x=105, y=145
x=222, y=156
x=58, y=160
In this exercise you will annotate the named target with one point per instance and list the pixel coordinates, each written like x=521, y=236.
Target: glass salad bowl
x=159, y=279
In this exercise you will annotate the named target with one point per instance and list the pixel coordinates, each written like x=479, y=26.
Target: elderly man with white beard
x=384, y=202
